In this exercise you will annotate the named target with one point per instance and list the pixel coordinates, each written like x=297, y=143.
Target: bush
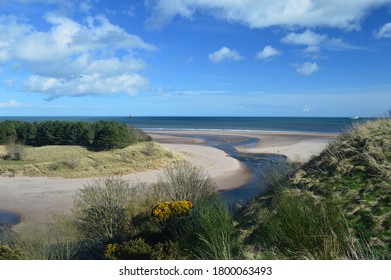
x=100, y=209
x=184, y=181
x=16, y=151
x=8, y=253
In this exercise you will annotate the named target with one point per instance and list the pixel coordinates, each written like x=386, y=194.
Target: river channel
x=265, y=168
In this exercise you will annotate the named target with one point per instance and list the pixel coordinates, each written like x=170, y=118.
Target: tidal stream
x=265, y=168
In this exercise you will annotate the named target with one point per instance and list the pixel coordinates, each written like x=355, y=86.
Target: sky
x=302, y=58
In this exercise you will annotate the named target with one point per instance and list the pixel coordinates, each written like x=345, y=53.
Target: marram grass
x=79, y=162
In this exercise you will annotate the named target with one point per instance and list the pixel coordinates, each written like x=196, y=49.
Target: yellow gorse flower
x=165, y=210
x=111, y=250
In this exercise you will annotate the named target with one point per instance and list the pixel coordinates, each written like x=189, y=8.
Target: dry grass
x=78, y=162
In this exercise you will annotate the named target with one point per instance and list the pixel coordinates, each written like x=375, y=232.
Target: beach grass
x=79, y=162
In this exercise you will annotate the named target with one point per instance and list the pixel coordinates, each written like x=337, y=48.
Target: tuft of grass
x=78, y=162
x=208, y=234
x=55, y=239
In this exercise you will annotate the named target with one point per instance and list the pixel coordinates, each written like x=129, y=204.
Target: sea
x=291, y=124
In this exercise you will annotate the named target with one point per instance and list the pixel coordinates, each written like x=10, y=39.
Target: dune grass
x=79, y=162
x=336, y=206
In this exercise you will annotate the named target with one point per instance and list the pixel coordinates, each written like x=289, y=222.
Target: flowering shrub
x=165, y=210
x=111, y=251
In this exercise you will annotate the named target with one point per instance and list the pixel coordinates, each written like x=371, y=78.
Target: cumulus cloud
x=307, y=37
x=224, y=54
x=307, y=68
x=384, y=31
x=345, y=14
x=72, y=59
x=267, y=52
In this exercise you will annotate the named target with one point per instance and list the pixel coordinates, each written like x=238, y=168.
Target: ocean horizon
x=270, y=124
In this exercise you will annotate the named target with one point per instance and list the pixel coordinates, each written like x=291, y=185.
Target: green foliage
x=111, y=135
x=102, y=135
x=139, y=249
x=209, y=233
x=8, y=253
x=299, y=226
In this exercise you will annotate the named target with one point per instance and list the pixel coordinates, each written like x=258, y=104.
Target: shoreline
x=296, y=146
x=38, y=197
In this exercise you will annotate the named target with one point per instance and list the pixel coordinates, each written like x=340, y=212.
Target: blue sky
x=195, y=58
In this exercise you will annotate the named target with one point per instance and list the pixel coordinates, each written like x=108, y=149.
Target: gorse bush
x=8, y=253
x=165, y=210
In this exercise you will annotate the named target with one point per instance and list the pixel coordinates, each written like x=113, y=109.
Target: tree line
x=101, y=135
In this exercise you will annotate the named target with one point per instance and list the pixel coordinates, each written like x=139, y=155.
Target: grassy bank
x=78, y=162
x=336, y=206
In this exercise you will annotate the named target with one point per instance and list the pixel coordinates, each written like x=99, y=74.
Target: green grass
x=338, y=205
x=78, y=162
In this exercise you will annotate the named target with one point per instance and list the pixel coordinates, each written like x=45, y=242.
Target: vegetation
x=102, y=135
x=336, y=206
x=209, y=233
x=79, y=162
x=183, y=181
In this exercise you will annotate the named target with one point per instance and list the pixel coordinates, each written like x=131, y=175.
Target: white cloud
x=224, y=54
x=316, y=42
x=384, y=31
x=267, y=53
x=11, y=104
x=308, y=38
x=307, y=68
x=93, y=84
x=345, y=14
x=72, y=59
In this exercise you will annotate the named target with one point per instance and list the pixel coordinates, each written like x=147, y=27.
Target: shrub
x=8, y=253
x=184, y=181
x=139, y=249
x=100, y=209
x=165, y=210
x=16, y=151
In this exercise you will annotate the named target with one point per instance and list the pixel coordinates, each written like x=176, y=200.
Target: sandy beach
x=38, y=197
